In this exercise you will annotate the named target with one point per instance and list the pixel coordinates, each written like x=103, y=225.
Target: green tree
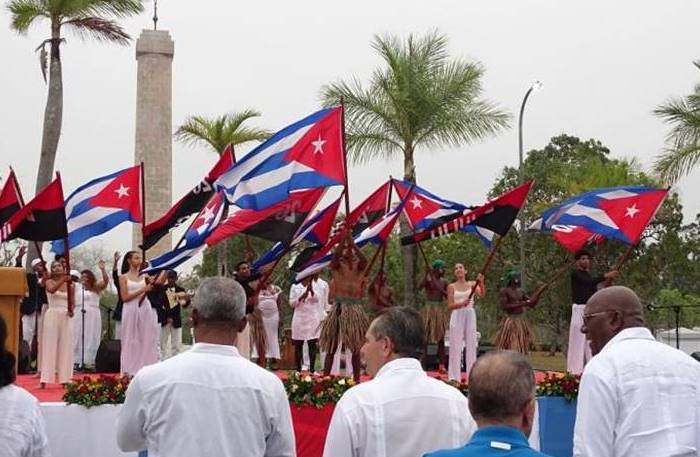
x=565, y=167
x=87, y=19
x=218, y=133
x=683, y=141
x=420, y=99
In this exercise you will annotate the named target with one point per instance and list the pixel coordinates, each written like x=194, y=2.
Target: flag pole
x=555, y=277
x=143, y=212
x=486, y=265
x=345, y=157
x=66, y=252
x=21, y=202
x=621, y=261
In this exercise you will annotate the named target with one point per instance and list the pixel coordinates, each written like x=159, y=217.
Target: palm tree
x=218, y=133
x=420, y=98
x=221, y=131
x=683, y=151
x=86, y=19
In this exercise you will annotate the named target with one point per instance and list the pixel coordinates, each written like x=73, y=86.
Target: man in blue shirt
x=502, y=401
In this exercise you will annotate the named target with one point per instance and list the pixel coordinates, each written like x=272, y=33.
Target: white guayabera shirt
x=638, y=397
x=22, y=429
x=402, y=412
x=208, y=401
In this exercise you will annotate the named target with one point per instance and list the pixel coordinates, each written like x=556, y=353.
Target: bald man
x=638, y=397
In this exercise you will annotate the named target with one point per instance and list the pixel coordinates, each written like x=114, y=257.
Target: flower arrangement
x=559, y=385
x=462, y=386
x=315, y=390
x=102, y=390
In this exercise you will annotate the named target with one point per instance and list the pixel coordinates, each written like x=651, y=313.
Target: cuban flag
x=425, y=209
x=307, y=154
x=100, y=205
x=316, y=230
x=377, y=233
x=193, y=240
x=620, y=213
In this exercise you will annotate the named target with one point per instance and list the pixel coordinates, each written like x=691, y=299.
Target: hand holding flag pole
x=69, y=283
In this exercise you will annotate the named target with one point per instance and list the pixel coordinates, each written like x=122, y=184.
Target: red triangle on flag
x=632, y=214
x=321, y=147
x=124, y=192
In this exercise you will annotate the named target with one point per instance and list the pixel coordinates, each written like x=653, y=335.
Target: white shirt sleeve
x=280, y=442
x=39, y=445
x=595, y=418
x=132, y=419
x=339, y=441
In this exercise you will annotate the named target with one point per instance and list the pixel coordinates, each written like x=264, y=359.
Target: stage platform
x=54, y=392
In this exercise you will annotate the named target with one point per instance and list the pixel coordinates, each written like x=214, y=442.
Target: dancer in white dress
x=269, y=305
x=56, y=362
x=87, y=303
x=139, y=330
x=462, y=333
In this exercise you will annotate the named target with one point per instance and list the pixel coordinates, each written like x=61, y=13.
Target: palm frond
x=25, y=12
x=675, y=163
x=221, y=131
x=418, y=97
x=74, y=9
x=100, y=29
x=682, y=153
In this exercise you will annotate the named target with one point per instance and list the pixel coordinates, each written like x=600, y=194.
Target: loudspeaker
x=107, y=358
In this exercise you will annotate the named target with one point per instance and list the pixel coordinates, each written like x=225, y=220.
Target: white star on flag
x=416, y=202
x=632, y=211
x=122, y=191
x=208, y=215
x=318, y=145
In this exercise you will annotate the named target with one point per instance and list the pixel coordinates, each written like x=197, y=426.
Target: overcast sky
x=605, y=66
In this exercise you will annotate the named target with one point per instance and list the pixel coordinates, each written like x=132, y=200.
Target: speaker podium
x=13, y=288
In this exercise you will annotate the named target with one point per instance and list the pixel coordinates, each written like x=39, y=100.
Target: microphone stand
x=82, y=329
x=677, y=310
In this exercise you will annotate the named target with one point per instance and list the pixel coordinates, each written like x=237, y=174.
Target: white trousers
x=462, y=336
x=170, y=338
x=579, y=351
x=28, y=322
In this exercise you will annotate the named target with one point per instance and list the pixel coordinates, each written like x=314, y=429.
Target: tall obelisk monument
x=154, y=54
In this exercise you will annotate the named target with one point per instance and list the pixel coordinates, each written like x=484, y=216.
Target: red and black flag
x=192, y=203
x=496, y=216
x=10, y=200
x=374, y=207
x=278, y=222
x=42, y=219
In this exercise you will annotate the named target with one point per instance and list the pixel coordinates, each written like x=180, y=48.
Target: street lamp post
x=535, y=86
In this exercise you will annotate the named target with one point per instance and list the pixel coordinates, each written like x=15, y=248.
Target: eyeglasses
x=587, y=317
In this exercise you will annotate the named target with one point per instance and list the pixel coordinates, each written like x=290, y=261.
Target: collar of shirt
x=633, y=333
x=216, y=349
x=499, y=434
x=404, y=363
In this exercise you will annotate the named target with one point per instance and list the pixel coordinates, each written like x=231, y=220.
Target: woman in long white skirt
x=269, y=305
x=56, y=363
x=139, y=330
x=87, y=299
x=462, y=333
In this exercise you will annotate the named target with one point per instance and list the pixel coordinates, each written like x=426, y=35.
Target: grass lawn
x=543, y=361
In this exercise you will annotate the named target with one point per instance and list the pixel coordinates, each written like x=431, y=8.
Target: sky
x=605, y=66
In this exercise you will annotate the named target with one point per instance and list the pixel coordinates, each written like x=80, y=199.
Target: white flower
x=307, y=378
x=341, y=382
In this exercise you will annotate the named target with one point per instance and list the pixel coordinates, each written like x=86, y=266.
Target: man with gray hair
x=502, y=401
x=208, y=401
x=402, y=412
